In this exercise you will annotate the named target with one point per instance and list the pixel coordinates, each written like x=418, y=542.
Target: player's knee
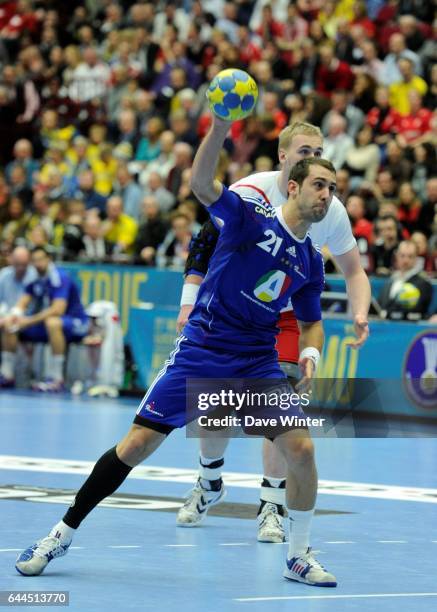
x=300, y=451
x=139, y=443
x=53, y=323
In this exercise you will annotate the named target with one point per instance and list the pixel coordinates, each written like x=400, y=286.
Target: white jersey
x=334, y=231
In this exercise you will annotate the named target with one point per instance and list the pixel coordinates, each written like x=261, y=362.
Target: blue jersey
x=56, y=285
x=257, y=266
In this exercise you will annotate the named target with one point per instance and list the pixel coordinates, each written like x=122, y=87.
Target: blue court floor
x=376, y=526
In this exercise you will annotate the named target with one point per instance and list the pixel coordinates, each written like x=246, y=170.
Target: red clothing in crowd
x=386, y=125
x=337, y=76
x=363, y=229
x=413, y=126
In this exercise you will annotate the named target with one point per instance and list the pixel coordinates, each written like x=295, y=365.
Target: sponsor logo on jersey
x=272, y=285
x=291, y=251
x=420, y=370
x=151, y=408
x=260, y=206
x=298, y=271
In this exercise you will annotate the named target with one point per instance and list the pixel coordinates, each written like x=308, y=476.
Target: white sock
x=273, y=490
x=300, y=527
x=8, y=364
x=210, y=468
x=63, y=532
x=57, y=370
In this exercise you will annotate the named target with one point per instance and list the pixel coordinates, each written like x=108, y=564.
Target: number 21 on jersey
x=272, y=244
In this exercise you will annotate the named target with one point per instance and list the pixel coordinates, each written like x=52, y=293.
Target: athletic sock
x=63, y=532
x=210, y=472
x=57, y=367
x=273, y=492
x=8, y=365
x=108, y=474
x=300, y=527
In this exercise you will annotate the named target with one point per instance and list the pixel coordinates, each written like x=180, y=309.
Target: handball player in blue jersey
x=58, y=317
x=263, y=258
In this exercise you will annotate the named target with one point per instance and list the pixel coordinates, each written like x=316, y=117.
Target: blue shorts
x=163, y=408
x=74, y=329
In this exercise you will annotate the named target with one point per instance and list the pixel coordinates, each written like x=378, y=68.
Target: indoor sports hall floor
x=376, y=526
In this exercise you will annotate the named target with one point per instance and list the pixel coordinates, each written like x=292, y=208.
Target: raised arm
x=203, y=182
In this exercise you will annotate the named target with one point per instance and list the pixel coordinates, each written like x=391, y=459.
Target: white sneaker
x=33, y=560
x=197, y=505
x=270, y=528
x=305, y=568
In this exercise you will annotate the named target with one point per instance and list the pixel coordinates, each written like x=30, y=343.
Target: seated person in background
x=175, y=248
x=94, y=247
x=14, y=278
x=386, y=243
x=150, y=233
x=428, y=262
x=119, y=229
x=362, y=228
x=59, y=318
x=408, y=292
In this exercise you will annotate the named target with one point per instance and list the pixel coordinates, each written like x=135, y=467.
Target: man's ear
x=282, y=156
x=292, y=188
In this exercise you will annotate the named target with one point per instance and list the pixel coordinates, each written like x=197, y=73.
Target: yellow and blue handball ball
x=232, y=94
x=408, y=295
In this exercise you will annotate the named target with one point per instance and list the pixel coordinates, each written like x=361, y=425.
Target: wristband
x=310, y=352
x=189, y=294
x=16, y=311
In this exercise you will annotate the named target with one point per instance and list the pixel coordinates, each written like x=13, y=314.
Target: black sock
x=265, y=483
x=108, y=474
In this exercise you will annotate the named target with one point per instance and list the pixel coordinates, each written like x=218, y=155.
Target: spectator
x=95, y=248
x=90, y=78
x=183, y=156
x=59, y=318
x=382, y=118
x=396, y=162
x=412, y=127
x=428, y=211
x=409, y=207
x=363, y=157
x=425, y=162
x=129, y=191
x=343, y=190
x=338, y=142
x=151, y=232
x=341, y=105
x=428, y=263
x=386, y=187
x=19, y=186
x=408, y=293
x=155, y=187
x=398, y=50
x=164, y=162
x=17, y=221
x=149, y=147
x=119, y=229
x=399, y=90
x=87, y=194
x=386, y=243
x=332, y=73
x=173, y=251
x=23, y=156
x=14, y=278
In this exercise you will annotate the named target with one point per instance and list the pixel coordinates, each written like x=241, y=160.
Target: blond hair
x=296, y=129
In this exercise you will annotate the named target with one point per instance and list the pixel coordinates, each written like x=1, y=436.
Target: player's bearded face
x=315, y=194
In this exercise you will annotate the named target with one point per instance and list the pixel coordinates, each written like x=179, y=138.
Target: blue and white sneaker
x=33, y=560
x=49, y=386
x=305, y=568
x=199, y=500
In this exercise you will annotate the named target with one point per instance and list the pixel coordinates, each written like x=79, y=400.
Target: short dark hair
x=40, y=248
x=301, y=170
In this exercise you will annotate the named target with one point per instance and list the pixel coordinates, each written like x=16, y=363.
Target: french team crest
x=420, y=370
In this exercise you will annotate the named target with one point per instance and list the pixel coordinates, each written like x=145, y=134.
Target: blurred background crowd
x=102, y=106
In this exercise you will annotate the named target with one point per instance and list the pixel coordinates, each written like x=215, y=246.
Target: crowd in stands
x=102, y=106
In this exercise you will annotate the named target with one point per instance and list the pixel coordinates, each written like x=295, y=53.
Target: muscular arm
x=359, y=293
x=203, y=182
x=201, y=250
x=56, y=309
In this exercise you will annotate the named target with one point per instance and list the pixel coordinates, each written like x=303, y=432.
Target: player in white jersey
x=297, y=141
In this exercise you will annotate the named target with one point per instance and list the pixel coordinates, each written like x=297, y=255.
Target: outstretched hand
x=361, y=327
